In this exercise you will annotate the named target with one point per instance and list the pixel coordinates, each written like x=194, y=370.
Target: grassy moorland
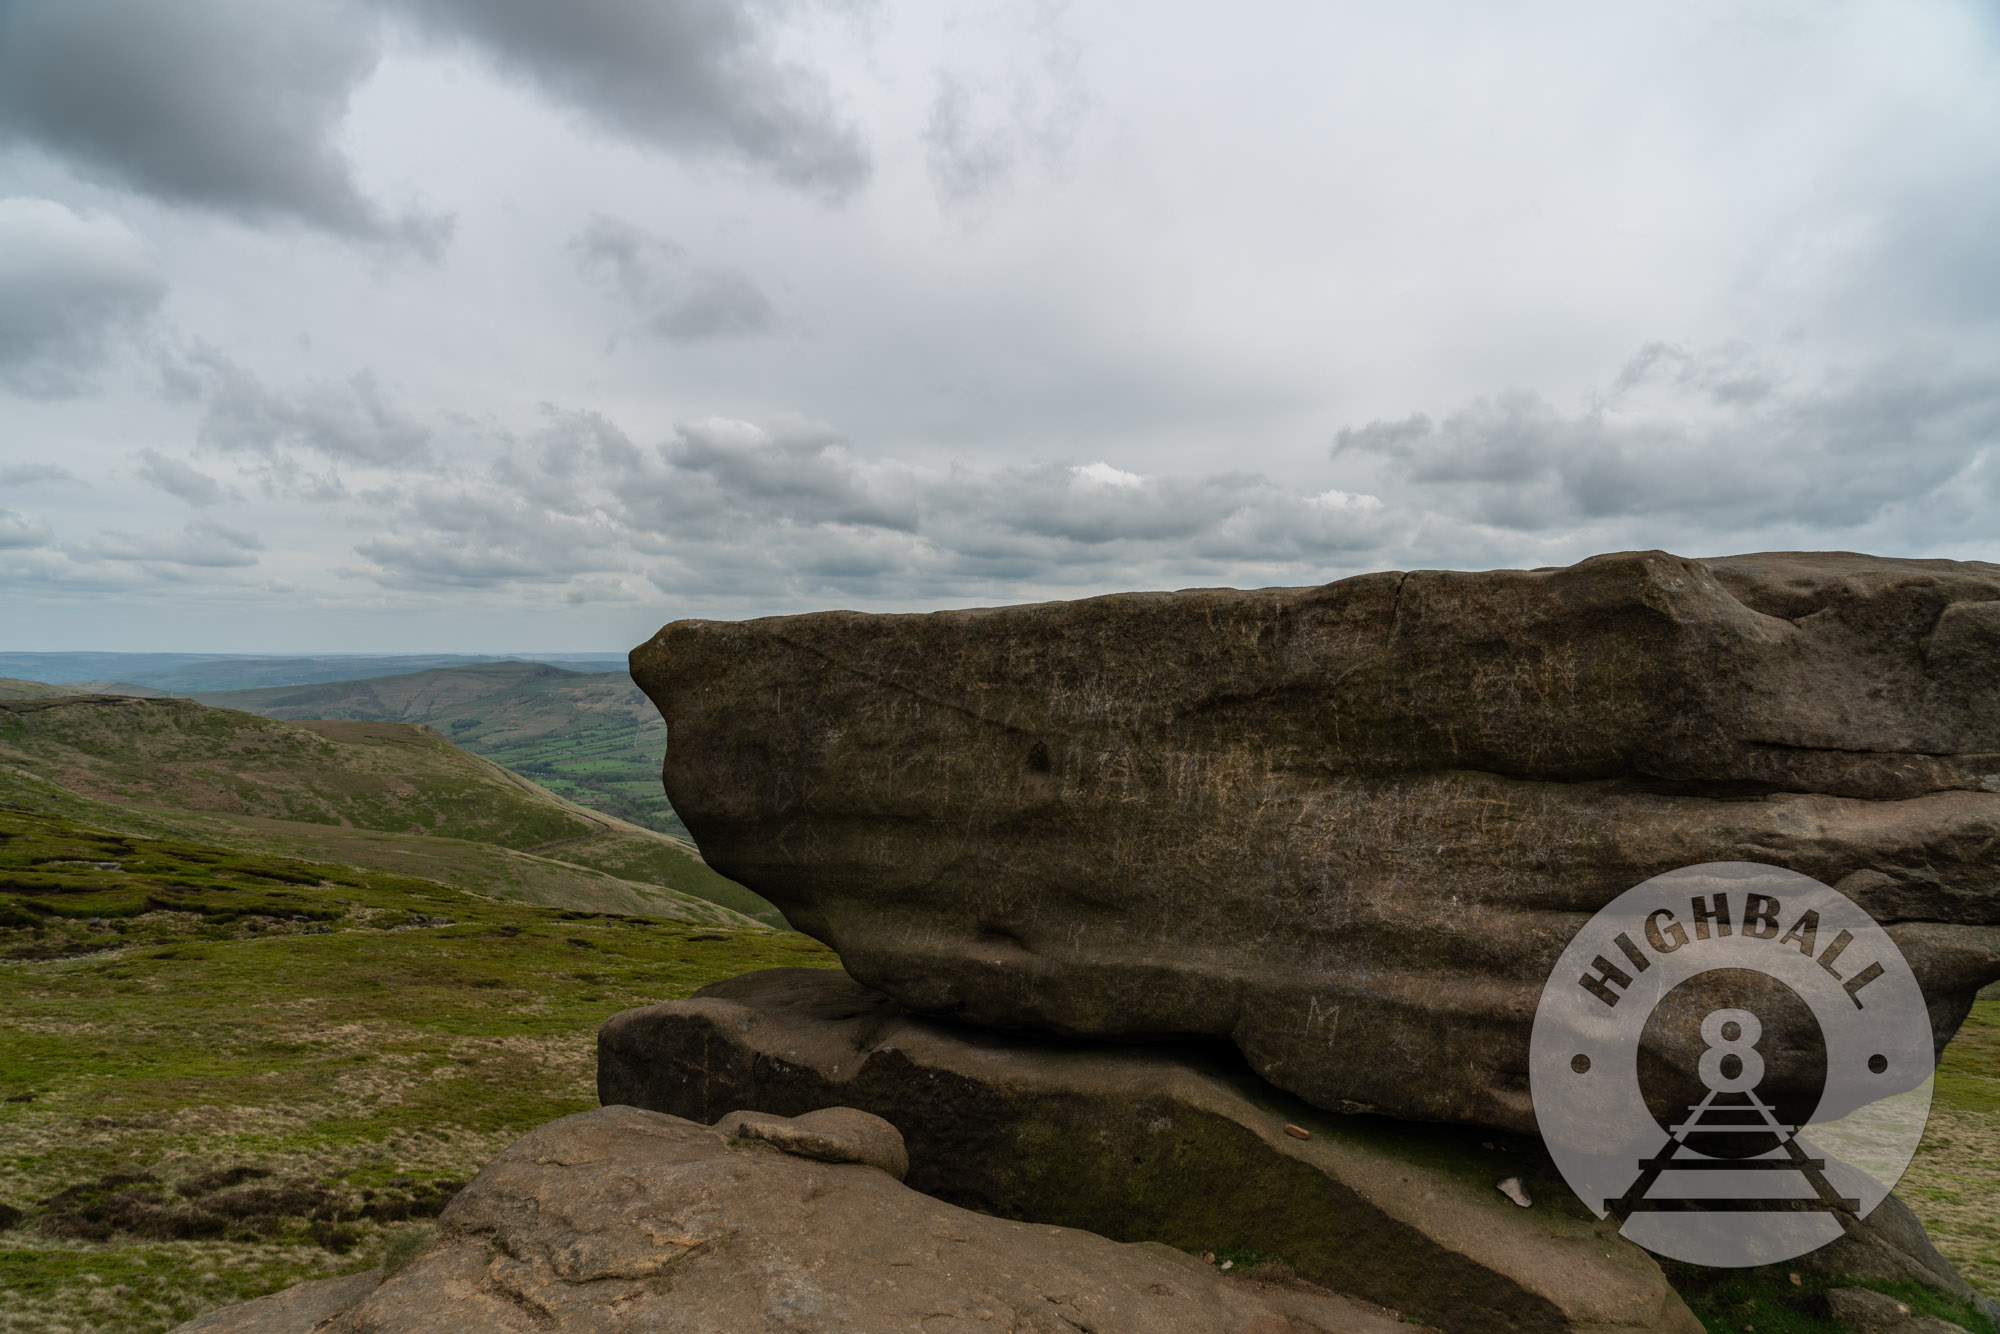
x=1954, y=1184
x=591, y=737
x=11, y=688
x=397, y=796
x=222, y=1072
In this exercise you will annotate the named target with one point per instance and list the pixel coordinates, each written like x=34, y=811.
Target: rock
x=1866, y=1312
x=1152, y=1143
x=301, y=1307
x=1890, y=1246
x=625, y=1220
x=831, y=1134
x=1347, y=828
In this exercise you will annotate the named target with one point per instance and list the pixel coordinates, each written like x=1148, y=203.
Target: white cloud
x=204, y=544
x=1106, y=475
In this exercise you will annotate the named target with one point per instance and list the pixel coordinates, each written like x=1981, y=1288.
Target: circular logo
x=1729, y=1057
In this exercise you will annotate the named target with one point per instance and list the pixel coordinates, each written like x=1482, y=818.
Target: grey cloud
x=204, y=544
x=457, y=538
x=1716, y=442
x=50, y=571
x=179, y=479
x=684, y=75
x=351, y=421
x=987, y=130
x=675, y=298
x=69, y=284
x=1093, y=504
x=231, y=105
x=801, y=471
x=28, y=474
x=22, y=530
x=238, y=105
x=729, y=508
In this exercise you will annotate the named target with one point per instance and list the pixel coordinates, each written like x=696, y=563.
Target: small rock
x=831, y=1135
x=1229, y=1264
x=1514, y=1191
x=1298, y=1132
x=1868, y=1312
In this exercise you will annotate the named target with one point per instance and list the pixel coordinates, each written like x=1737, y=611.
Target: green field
x=249, y=1070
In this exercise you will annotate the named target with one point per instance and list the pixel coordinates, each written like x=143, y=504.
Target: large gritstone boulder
x=1347, y=828
x=621, y=1221
x=1156, y=1143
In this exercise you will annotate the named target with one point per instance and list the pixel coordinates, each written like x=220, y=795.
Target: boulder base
x=1155, y=1144
x=1347, y=828
x=625, y=1220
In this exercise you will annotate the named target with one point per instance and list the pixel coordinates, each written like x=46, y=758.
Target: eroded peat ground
x=251, y=1070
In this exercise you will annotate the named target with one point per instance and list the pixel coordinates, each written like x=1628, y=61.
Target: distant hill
x=387, y=795
x=187, y=673
x=591, y=737
x=110, y=688
x=12, y=689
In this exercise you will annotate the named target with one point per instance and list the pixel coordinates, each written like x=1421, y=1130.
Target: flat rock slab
x=301, y=1307
x=1154, y=1144
x=1348, y=828
x=629, y=1221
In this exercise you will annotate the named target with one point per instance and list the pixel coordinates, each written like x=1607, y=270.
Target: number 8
x=1723, y=1044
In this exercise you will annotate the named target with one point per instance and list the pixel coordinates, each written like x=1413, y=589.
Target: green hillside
x=589, y=736
x=12, y=689
x=388, y=795
x=223, y=1071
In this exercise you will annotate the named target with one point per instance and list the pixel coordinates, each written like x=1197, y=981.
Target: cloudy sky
x=491, y=325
